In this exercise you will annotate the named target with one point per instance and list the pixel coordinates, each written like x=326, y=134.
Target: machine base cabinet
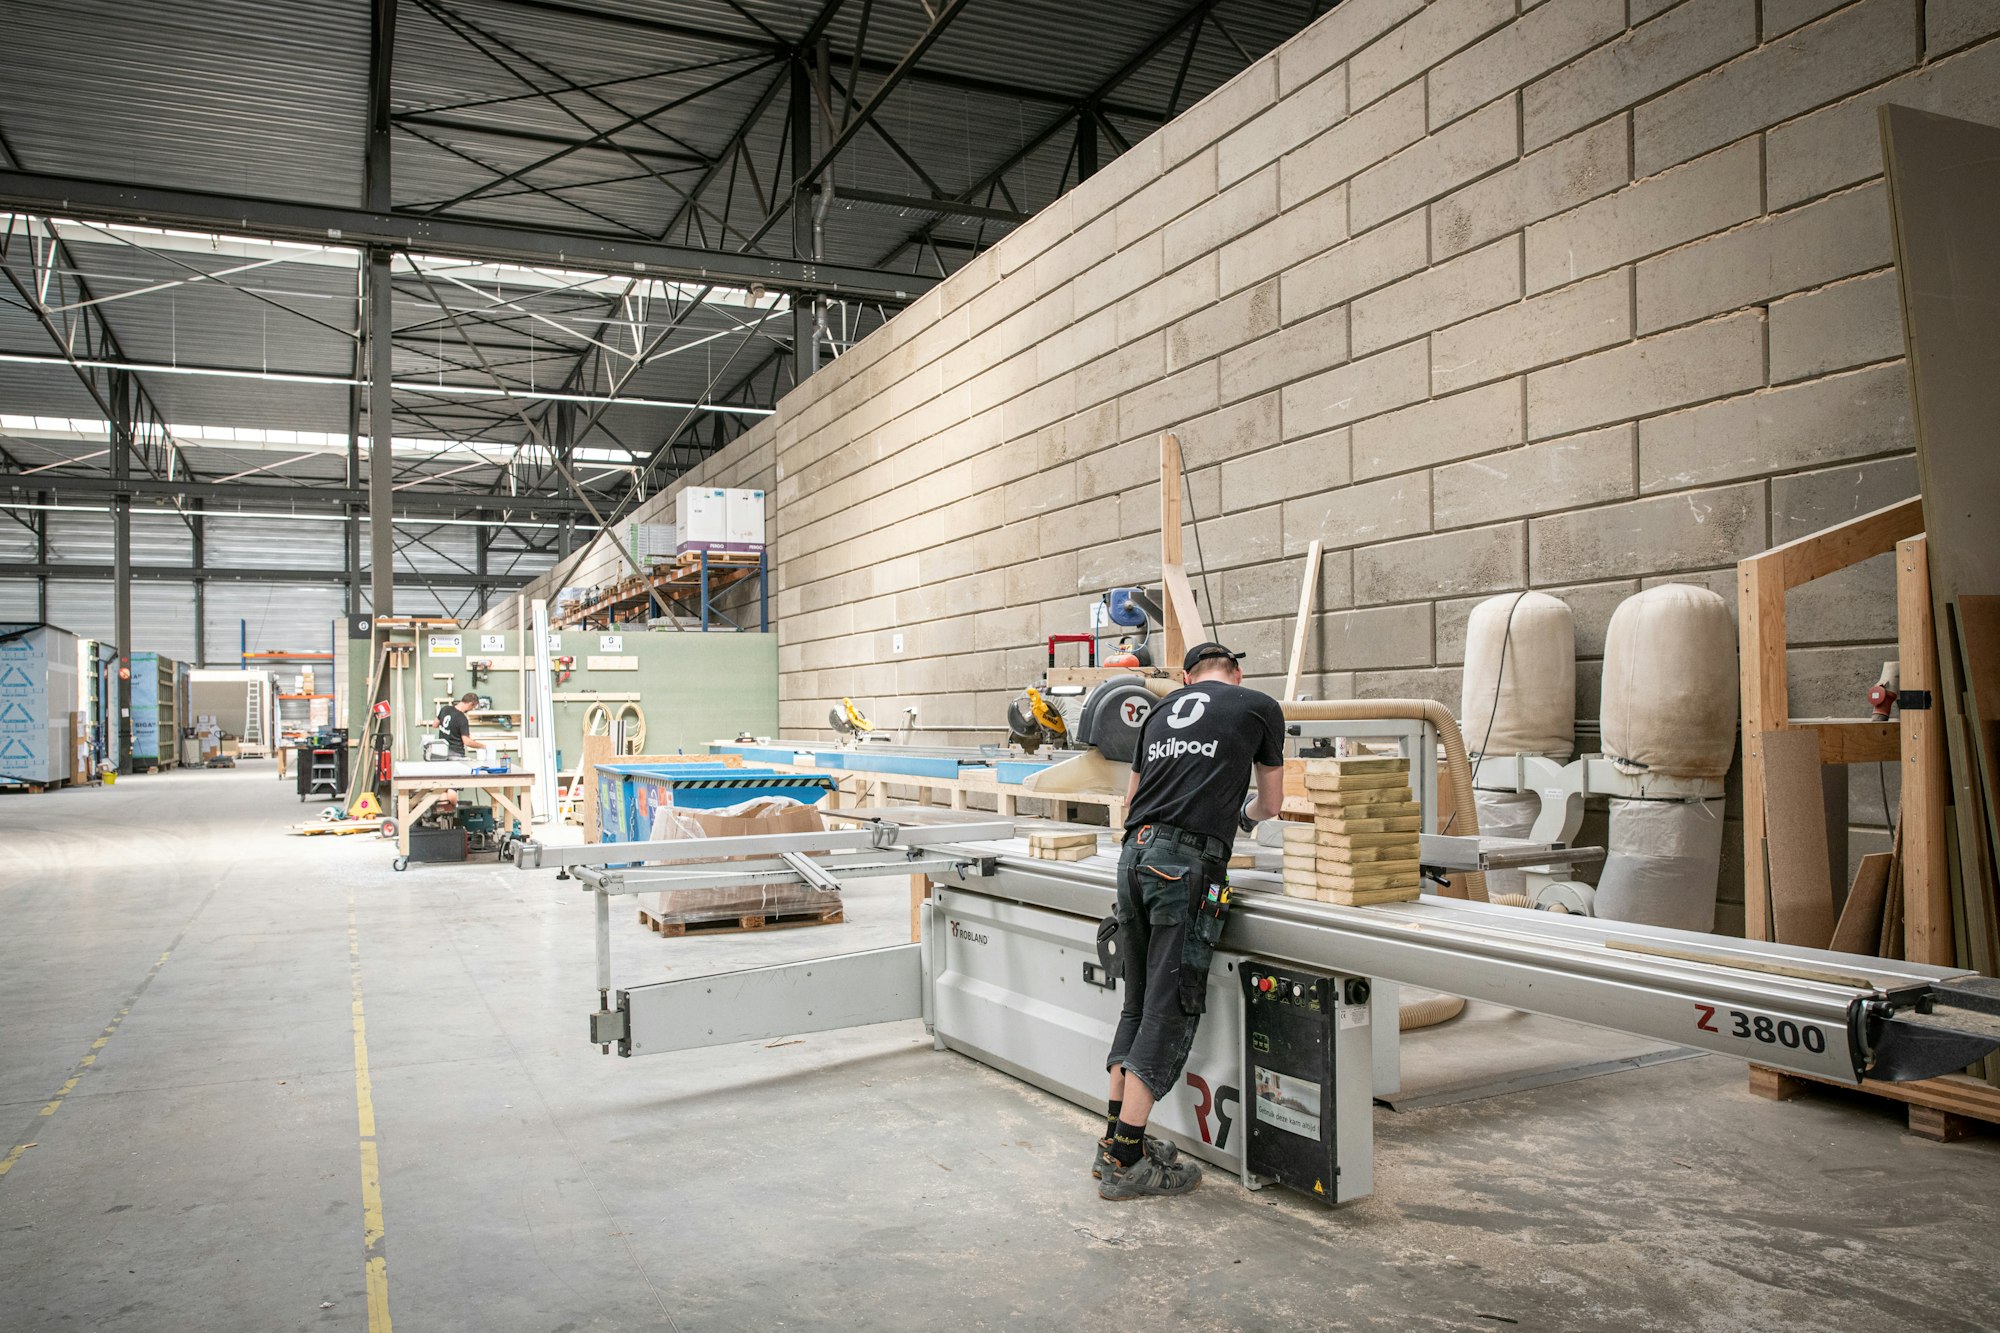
x=1021, y=988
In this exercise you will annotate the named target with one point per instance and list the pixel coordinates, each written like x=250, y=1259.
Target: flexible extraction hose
x=1458, y=769
x=1429, y=1012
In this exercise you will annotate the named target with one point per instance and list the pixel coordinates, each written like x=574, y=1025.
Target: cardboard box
x=753, y=818
x=701, y=516
x=744, y=513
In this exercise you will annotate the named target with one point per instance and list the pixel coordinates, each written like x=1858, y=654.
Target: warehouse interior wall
x=1580, y=295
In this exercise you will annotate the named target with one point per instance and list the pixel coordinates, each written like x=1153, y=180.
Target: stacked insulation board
x=1361, y=846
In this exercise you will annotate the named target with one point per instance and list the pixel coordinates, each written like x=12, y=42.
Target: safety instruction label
x=446, y=645
x=1292, y=1104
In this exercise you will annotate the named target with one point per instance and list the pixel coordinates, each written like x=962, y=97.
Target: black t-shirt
x=453, y=727
x=1196, y=749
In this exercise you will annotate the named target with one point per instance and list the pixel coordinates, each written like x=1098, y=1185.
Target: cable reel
x=598, y=717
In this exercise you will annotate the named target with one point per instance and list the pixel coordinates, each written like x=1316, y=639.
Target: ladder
x=253, y=715
x=385, y=680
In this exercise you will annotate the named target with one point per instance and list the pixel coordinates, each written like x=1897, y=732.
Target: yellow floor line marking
x=90, y=1057
x=375, y=1267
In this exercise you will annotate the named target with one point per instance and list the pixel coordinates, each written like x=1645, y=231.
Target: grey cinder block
x=1796, y=426
x=1655, y=374
x=1693, y=530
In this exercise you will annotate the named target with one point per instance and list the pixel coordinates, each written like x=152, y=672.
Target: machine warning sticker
x=1289, y=1103
x=1353, y=1016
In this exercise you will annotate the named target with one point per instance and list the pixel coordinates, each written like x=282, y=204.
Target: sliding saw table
x=1010, y=972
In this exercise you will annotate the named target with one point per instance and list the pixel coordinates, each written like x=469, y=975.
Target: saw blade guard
x=1113, y=717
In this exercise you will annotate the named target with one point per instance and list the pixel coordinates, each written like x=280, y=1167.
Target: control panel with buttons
x=1289, y=1035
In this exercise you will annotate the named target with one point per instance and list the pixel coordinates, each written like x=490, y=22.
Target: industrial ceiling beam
x=432, y=500
x=862, y=62
x=331, y=578
x=324, y=224
x=855, y=123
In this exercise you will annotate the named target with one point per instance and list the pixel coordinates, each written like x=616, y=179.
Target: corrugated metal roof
x=572, y=97
x=261, y=97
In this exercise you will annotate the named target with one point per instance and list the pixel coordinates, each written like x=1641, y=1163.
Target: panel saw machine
x=1014, y=968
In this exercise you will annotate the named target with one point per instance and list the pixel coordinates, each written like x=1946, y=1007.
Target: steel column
x=196, y=528
x=121, y=560
x=351, y=530
x=42, y=557
x=805, y=345
x=381, y=434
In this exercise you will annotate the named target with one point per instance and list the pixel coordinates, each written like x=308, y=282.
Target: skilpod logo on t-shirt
x=1187, y=710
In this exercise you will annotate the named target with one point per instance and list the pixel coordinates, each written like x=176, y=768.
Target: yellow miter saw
x=849, y=720
x=1035, y=720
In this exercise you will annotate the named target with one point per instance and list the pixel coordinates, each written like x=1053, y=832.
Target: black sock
x=1111, y=1120
x=1127, y=1142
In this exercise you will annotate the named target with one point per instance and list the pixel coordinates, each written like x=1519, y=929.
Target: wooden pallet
x=34, y=788
x=1941, y=1109
x=716, y=559
x=730, y=925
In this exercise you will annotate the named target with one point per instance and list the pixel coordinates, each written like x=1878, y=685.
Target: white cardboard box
x=701, y=516
x=745, y=518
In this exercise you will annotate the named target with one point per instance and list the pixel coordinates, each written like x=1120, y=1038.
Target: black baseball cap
x=1202, y=652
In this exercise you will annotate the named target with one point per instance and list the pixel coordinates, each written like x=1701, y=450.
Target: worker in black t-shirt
x=453, y=725
x=1197, y=750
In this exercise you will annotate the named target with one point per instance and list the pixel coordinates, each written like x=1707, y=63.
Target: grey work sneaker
x=1146, y=1177
x=1160, y=1150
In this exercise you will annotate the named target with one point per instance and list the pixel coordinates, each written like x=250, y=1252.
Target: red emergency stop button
x=1264, y=984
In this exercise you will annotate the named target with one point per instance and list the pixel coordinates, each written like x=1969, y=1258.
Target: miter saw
x=849, y=720
x=1108, y=718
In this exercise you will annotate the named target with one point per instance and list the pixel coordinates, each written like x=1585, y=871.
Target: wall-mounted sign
x=611, y=643
x=492, y=643
x=447, y=645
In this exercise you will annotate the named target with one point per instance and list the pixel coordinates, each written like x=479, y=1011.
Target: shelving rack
x=694, y=584
x=293, y=720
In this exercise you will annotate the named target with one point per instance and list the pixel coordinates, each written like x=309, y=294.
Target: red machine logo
x=1209, y=1103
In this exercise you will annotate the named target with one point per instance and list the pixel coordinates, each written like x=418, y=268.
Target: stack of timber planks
x=1062, y=846
x=1361, y=846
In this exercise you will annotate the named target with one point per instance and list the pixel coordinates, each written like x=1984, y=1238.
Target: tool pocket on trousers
x=1197, y=953
x=1164, y=891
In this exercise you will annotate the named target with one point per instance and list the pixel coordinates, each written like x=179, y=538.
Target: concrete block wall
x=1581, y=295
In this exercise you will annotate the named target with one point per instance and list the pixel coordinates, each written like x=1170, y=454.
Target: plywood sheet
x=1795, y=846
x=1860, y=928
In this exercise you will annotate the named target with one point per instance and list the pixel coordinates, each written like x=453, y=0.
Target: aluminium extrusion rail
x=1841, y=1017
x=1837, y=1016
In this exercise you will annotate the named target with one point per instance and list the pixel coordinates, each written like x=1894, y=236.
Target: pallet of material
x=692, y=559
x=1361, y=847
x=23, y=784
x=729, y=925
x=1942, y=1109
x=1062, y=846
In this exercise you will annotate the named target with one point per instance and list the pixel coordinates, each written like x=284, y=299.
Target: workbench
x=418, y=785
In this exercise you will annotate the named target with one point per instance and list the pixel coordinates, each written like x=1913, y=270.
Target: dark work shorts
x=1167, y=943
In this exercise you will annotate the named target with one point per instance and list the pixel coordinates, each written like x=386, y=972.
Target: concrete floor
x=204, y=1172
